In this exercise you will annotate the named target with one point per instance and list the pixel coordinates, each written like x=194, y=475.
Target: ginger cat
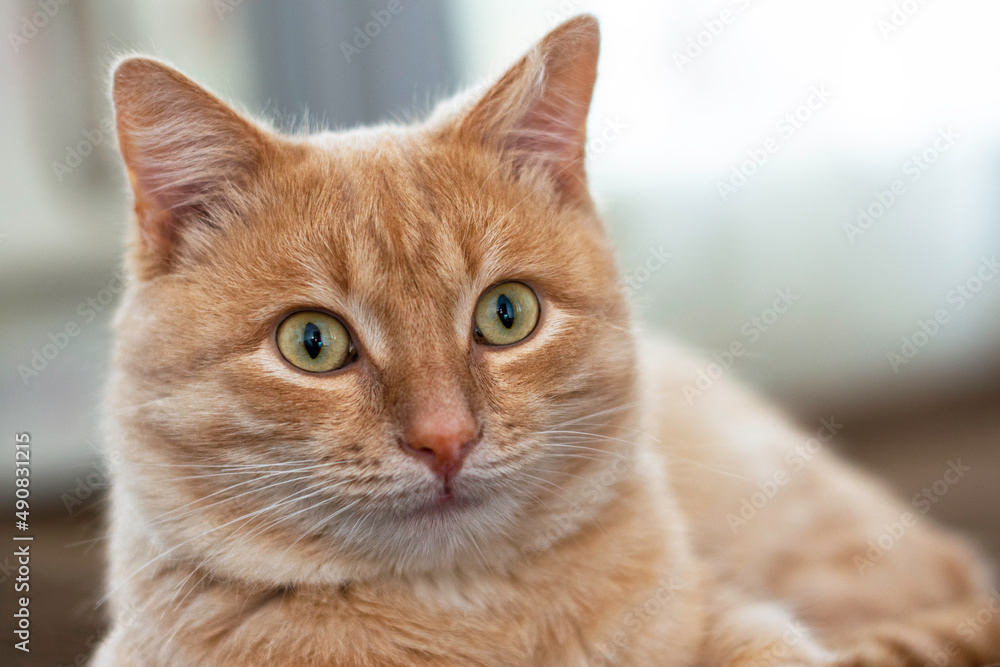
x=378, y=401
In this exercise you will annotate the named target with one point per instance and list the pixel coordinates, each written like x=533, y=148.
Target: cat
x=377, y=400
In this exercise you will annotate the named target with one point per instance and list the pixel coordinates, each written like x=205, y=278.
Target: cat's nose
x=441, y=438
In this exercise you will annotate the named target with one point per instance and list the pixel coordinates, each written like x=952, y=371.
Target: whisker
x=166, y=516
x=595, y=436
x=321, y=521
x=275, y=522
x=539, y=479
x=159, y=519
x=228, y=465
x=607, y=411
x=618, y=427
x=475, y=543
x=588, y=449
x=574, y=456
x=704, y=466
x=241, y=472
x=663, y=450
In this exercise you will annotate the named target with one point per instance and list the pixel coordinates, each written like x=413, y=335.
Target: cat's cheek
x=268, y=362
x=330, y=409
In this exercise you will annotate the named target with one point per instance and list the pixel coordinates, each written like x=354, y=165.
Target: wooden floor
x=911, y=448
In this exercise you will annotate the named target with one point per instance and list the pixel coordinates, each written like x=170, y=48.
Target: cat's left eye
x=315, y=342
x=506, y=314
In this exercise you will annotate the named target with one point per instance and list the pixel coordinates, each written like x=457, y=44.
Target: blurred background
x=838, y=160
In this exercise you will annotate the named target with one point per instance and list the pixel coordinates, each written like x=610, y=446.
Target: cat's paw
x=802, y=653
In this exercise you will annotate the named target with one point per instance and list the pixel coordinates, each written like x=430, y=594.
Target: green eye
x=315, y=342
x=506, y=314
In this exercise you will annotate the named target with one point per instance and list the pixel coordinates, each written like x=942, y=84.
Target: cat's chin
x=447, y=505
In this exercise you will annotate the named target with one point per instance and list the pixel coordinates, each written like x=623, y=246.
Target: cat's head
x=402, y=348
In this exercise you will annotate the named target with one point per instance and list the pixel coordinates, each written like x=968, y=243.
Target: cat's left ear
x=536, y=114
x=187, y=154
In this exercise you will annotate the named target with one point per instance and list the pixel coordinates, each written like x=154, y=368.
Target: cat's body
x=580, y=511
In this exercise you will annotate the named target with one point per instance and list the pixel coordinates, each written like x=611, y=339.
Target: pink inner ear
x=170, y=169
x=554, y=129
x=179, y=161
x=538, y=109
x=179, y=173
x=183, y=147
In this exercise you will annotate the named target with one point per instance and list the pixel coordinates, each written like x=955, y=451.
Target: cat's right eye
x=315, y=342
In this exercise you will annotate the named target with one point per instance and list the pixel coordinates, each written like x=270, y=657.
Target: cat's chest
x=446, y=625
x=425, y=624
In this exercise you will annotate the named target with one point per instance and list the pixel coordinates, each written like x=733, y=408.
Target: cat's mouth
x=446, y=496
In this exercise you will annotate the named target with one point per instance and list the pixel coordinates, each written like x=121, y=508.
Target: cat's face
x=386, y=428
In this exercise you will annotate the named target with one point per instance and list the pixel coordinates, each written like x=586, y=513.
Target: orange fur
x=266, y=516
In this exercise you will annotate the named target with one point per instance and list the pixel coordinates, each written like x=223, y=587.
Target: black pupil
x=312, y=339
x=505, y=311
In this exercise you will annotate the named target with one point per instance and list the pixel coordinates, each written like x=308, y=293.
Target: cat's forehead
x=371, y=204
x=406, y=206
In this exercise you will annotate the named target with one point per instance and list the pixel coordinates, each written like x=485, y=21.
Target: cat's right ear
x=187, y=154
x=536, y=113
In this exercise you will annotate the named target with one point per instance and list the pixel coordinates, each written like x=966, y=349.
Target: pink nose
x=441, y=438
